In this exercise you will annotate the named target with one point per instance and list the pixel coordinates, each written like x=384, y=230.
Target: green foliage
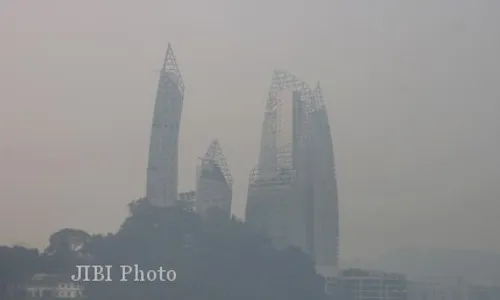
x=215, y=258
x=67, y=248
x=67, y=241
x=17, y=264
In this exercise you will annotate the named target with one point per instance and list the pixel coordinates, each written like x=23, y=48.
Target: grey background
x=412, y=88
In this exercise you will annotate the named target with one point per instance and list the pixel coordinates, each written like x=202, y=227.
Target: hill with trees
x=214, y=258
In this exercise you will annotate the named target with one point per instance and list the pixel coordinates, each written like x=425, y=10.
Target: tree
x=214, y=258
x=67, y=241
x=17, y=264
x=67, y=248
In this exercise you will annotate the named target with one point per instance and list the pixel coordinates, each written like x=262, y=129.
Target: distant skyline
x=412, y=90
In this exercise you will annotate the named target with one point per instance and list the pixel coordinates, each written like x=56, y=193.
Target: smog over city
x=250, y=150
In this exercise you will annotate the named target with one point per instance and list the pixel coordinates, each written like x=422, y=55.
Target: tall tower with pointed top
x=292, y=192
x=162, y=173
x=214, y=181
x=324, y=189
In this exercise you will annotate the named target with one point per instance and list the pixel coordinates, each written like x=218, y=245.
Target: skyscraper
x=293, y=191
x=162, y=173
x=324, y=188
x=213, y=181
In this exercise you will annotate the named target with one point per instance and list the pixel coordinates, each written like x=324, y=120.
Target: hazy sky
x=412, y=88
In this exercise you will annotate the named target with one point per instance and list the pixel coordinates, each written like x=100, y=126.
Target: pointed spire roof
x=214, y=149
x=170, y=66
x=214, y=154
x=318, y=95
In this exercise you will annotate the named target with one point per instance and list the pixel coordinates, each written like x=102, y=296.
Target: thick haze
x=412, y=88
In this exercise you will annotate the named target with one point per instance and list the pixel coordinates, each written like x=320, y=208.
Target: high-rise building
x=213, y=181
x=324, y=188
x=162, y=174
x=293, y=191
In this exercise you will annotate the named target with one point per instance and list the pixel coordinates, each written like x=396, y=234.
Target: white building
x=292, y=194
x=163, y=165
x=373, y=285
x=438, y=288
x=53, y=286
x=213, y=181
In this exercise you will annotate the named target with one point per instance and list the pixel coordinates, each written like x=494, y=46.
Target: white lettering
x=171, y=275
x=151, y=275
x=126, y=270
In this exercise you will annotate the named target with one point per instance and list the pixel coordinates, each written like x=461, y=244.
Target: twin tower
x=213, y=184
x=292, y=193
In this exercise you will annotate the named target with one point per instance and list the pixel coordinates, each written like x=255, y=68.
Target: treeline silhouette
x=215, y=258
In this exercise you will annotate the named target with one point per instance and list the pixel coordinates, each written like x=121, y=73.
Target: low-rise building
x=484, y=292
x=47, y=286
x=188, y=198
x=373, y=285
x=438, y=288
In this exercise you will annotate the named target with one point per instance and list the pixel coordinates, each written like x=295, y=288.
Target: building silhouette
x=162, y=172
x=373, y=285
x=213, y=181
x=292, y=193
